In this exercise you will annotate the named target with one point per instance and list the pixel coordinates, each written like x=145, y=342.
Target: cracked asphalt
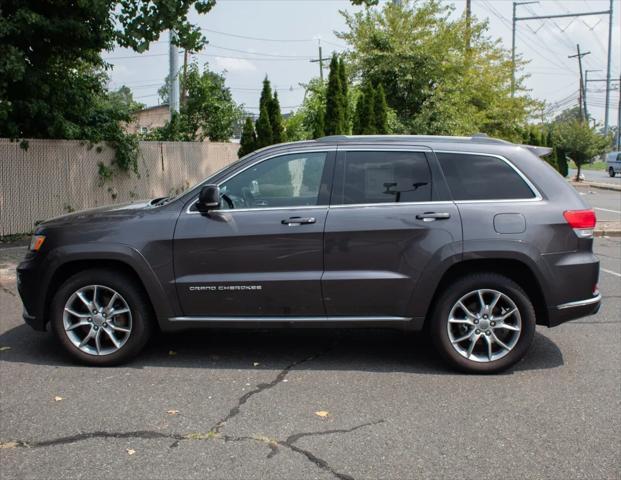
x=246, y=403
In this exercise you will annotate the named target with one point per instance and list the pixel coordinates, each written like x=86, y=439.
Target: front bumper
x=29, y=288
x=573, y=310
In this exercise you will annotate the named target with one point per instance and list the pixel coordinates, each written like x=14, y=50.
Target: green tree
x=343, y=80
x=208, y=112
x=319, y=129
x=294, y=127
x=124, y=98
x=313, y=108
x=417, y=51
x=579, y=142
x=380, y=111
x=248, y=140
x=276, y=119
x=52, y=75
x=264, y=128
x=335, y=116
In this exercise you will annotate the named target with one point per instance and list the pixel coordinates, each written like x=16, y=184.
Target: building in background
x=148, y=119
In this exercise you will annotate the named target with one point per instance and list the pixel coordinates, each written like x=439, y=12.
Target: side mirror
x=208, y=198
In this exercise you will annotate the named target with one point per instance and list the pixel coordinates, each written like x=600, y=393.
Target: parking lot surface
x=300, y=404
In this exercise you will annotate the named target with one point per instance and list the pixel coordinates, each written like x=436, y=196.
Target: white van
x=613, y=163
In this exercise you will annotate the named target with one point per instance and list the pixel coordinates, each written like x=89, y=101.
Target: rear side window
x=479, y=177
x=382, y=177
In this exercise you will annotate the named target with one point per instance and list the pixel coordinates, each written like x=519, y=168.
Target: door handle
x=432, y=216
x=294, y=221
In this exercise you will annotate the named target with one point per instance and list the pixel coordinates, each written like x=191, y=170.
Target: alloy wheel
x=484, y=325
x=97, y=320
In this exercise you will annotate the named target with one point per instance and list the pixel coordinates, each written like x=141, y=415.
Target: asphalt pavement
x=244, y=405
x=596, y=176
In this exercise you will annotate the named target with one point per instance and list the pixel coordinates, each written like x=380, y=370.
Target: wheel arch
x=516, y=269
x=119, y=258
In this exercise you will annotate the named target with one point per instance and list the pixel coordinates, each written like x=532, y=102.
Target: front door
x=261, y=253
x=386, y=224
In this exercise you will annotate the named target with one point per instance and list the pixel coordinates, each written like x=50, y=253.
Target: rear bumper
x=573, y=310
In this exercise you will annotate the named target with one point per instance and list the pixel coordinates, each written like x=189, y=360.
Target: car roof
x=345, y=139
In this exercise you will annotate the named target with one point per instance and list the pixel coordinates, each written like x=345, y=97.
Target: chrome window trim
x=326, y=149
x=538, y=197
x=391, y=204
x=319, y=318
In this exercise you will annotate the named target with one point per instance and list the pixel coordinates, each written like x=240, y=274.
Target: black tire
x=611, y=172
x=134, y=296
x=461, y=287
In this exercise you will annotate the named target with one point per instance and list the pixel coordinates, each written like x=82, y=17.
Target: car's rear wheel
x=611, y=172
x=101, y=317
x=483, y=323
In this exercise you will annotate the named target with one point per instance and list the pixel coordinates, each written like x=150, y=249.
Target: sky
x=251, y=38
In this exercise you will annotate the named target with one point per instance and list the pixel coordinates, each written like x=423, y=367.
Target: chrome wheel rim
x=484, y=325
x=97, y=320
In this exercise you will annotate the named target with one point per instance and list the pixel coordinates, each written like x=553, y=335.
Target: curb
x=607, y=233
x=602, y=186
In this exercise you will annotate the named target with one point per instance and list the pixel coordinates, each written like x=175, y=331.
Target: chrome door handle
x=432, y=216
x=294, y=221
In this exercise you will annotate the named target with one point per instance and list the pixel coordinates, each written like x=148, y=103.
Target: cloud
x=234, y=64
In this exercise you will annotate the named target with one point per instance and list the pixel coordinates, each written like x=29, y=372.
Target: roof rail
x=478, y=138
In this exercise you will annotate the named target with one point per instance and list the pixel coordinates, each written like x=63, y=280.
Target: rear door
x=388, y=220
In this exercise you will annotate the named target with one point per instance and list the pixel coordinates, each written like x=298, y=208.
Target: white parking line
x=611, y=272
x=607, y=210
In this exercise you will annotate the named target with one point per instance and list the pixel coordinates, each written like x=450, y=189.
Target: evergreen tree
x=380, y=111
x=561, y=161
x=264, y=128
x=358, y=126
x=335, y=118
x=344, y=97
x=266, y=95
x=276, y=120
x=367, y=120
x=248, y=141
x=318, y=126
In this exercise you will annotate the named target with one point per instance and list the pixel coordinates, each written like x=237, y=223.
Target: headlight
x=36, y=242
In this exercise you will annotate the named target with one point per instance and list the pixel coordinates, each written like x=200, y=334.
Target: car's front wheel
x=483, y=323
x=101, y=317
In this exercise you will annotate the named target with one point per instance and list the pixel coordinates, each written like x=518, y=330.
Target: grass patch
x=599, y=165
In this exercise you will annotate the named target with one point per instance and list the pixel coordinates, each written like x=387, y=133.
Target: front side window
x=292, y=180
x=382, y=177
x=479, y=177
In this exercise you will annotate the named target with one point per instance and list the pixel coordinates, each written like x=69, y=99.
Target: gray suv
x=475, y=240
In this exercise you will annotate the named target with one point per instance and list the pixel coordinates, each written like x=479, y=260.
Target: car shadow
x=340, y=349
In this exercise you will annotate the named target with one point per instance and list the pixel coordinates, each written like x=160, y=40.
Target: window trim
x=326, y=150
x=537, y=196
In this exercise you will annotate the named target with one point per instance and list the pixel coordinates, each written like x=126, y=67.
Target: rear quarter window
x=482, y=177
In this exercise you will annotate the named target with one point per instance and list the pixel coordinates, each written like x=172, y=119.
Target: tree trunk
x=578, y=168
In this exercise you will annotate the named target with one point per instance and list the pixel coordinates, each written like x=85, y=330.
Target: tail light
x=582, y=221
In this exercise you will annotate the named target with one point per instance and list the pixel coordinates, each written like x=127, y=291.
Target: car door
x=388, y=221
x=261, y=253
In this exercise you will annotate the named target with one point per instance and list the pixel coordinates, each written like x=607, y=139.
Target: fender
x=473, y=250
x=108, y=251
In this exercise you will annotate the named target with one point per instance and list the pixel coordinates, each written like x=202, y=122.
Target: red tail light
x=582, y=221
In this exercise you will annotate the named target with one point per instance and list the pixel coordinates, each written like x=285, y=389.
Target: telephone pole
x=586, y=89
x=608, y=69
x=468, y=20
x=564, y=15
x=320, y=60
x=173, y=61
x=582, y=103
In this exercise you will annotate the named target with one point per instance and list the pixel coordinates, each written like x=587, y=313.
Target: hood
x=120, y=211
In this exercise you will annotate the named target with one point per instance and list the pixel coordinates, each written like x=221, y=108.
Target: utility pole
x=619, y=119
x=320, y=60
x=586, y=89
x=515, y=4
x=564, y=15
x=184, y=84
x=468, y=20
x=608, y=69
x=582, y=103
x=173, y=60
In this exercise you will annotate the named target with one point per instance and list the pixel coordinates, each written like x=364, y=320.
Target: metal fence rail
x=53, y=177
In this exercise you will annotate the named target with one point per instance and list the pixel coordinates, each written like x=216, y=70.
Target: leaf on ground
x=172, y=353
x=130, y=451
x=256, y=364
x=322, y=414
x=9, y=444
x=58, y=399
x=172, y=412
x=4, y=349
x=201, y=436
